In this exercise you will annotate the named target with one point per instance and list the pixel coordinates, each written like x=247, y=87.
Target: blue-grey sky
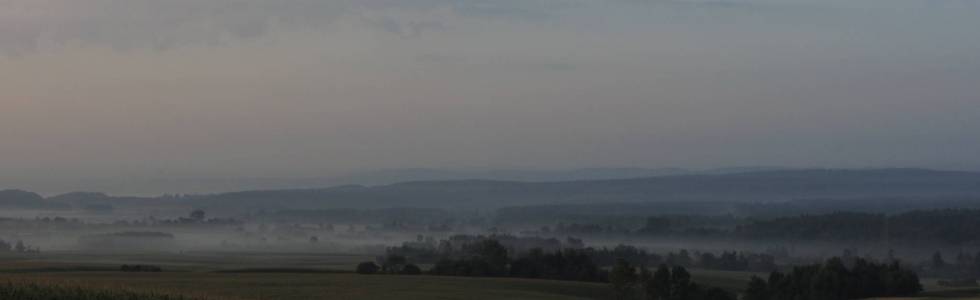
x=118, y=89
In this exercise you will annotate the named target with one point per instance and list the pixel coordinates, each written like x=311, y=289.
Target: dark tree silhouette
x=622, y=278
x=367, y=268
x=833, y=280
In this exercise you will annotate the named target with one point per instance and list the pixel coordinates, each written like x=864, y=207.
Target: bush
x=140, y=268
x=411, y=270
x=367, y=268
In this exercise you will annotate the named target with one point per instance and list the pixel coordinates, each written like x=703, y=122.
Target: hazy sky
x=113, y=89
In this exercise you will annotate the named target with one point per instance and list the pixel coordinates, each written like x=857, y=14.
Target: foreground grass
x=23, y=290
x=303, y=286
x=245, y=276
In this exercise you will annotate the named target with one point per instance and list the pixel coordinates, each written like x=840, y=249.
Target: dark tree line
x=666, y=283
x=953, y=226
x=836, y=280
x=568, y=264
x=463, y=252
x=140, y=268
x=391, y=264
x=948, y=226
x=726, y=261
x=675, y=225
x=488, y=258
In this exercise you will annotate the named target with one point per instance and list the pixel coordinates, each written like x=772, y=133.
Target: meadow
x=246, y=276
x=270, y=276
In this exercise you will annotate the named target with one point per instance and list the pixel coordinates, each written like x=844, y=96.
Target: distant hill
x=25, y=200
x=384, y=177
x=761, y=186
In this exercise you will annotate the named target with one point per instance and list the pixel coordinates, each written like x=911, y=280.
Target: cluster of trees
x=18, y=247
x=726, y=261
x=492, y=257
x=948, y=226
x=461, y=251
x=666, y=283
x=952, y=226
x=483, y=258
x=732, y=261
x=965, y=268
x=489, y=257
x=589, y=229
x=836, y=279
x=140, y=268
x=392, y=264
x=428, y=250
x=567, y=264
x=677, y=225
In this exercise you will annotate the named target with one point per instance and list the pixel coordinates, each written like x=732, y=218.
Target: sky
x=98, y=93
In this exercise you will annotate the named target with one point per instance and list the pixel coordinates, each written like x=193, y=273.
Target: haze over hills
x=745, y=187
x=755, y=186
x=187, y=184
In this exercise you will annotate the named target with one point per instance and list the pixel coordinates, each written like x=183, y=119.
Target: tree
x=20, y=247
x=622, y=278
x=493, y=254
x=834, y=281
x=682, y=258
x=367, y=268
x=658, y=287
x=680, y=283
x=717, y=294
x=411, y=269
x=757, y=290
x=393, y=264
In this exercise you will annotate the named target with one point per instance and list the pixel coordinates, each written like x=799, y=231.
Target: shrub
x=411, y=270
x=140, y=268
x=367, y=268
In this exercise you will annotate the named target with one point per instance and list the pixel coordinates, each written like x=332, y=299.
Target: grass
x=323, y=286
x=33, y=290
x=274, y=276
x=245, y=276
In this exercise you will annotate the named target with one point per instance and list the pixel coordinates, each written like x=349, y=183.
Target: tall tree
x=622, y=278
x=756, y=290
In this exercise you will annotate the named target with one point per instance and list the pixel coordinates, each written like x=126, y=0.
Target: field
x=315, y=276
x=321, y=286
x=275, y=276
